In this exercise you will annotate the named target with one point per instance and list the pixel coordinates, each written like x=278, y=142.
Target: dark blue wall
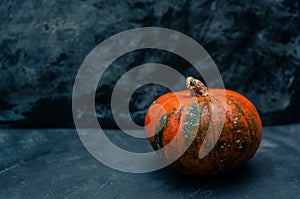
x=255, y=44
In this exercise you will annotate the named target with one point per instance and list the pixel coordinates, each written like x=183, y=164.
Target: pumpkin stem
x=196, y=87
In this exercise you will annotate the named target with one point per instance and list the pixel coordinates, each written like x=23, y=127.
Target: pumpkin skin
x=238, y=141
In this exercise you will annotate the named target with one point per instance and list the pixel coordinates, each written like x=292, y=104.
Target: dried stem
x=196, y=87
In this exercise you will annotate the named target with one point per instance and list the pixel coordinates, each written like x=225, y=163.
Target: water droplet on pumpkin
x=229, y=103
x=235, y=121
x=238, y=131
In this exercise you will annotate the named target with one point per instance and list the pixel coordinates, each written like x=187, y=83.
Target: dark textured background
x=255, y=44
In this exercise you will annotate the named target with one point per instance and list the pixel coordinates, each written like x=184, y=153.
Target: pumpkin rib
x=241, y=110
x=225, y=136
x=224, y=129
x=247, y=103
x=168, y=131
x=213, y=127
x=249, y=153
x=228, y=157
x=160, y=101
x=182, y=159
x=255, y=120
x=158, y=137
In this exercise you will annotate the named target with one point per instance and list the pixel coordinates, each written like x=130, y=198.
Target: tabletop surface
x=53, y=163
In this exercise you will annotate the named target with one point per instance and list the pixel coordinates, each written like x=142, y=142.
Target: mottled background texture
x=255, y=44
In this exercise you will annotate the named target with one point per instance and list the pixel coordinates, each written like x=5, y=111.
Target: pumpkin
x=188, y=113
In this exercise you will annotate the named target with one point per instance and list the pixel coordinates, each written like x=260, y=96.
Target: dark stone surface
x=255, y=44
x=52, y=163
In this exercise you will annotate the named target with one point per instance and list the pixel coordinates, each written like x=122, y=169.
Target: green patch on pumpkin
x=191, y=122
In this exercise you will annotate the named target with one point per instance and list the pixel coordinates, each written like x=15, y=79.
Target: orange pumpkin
x=237, y=142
